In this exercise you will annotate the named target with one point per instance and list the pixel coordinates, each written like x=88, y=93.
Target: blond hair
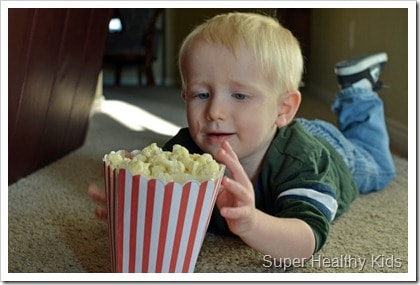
x=274, y=47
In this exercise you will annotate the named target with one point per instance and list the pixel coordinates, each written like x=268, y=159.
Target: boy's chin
x=211, y=149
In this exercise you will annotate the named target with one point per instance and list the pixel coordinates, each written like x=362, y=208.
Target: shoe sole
x=349, y=67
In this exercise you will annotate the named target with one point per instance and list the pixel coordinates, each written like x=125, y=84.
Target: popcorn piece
x=138, y=166
x=115, y=159
x=178, y=165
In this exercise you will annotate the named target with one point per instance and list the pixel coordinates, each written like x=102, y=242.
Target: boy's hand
x=236, y=200
x=278, y=237
x=99, y=196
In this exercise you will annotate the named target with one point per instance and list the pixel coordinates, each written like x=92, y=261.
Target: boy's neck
x=252, y=170
x=253, y=163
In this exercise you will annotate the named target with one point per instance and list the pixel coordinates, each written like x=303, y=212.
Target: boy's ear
x=288, y=105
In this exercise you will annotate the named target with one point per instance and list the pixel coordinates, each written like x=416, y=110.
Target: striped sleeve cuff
x=324, y=200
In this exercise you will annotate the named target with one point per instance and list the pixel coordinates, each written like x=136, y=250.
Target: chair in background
x=136, y=44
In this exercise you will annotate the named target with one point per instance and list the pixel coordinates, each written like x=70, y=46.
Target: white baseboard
x=398, y=132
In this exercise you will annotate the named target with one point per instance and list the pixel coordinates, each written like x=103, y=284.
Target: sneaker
x=362, y=71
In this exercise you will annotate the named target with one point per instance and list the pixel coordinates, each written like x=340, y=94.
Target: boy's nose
x=216, y=109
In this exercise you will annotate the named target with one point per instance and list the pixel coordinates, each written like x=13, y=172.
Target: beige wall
x=340, y=33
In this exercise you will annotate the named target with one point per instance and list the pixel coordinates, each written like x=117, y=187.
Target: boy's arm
x=281, y=237
x=274, y=236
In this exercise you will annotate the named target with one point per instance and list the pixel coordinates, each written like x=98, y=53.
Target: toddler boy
x=287, y=178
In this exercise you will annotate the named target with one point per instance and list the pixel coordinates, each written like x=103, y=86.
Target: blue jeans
x=361, y=137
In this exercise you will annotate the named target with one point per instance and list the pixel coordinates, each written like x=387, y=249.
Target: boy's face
x=228, y=98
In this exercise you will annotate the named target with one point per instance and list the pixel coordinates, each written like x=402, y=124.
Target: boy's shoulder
x=298, y=160
x=183, y=137
x=295, y=142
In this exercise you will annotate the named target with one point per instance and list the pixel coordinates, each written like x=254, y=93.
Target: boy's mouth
x=219, y=137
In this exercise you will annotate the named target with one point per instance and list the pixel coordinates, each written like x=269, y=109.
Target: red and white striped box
x=156, y=226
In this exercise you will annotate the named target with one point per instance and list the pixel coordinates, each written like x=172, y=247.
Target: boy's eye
x=203, y=95
x=239, y=96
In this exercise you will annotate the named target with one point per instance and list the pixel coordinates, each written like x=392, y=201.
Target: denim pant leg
x=361, y=137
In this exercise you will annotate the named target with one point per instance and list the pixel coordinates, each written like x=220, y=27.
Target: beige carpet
x=52, y=227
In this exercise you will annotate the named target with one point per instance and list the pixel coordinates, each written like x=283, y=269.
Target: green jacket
x=302, y=177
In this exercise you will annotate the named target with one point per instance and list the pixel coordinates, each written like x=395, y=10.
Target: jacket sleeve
x=295, y=208
x=308, y=193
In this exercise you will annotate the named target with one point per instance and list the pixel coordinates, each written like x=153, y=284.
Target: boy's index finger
x=228, y=157
x=96, y=194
